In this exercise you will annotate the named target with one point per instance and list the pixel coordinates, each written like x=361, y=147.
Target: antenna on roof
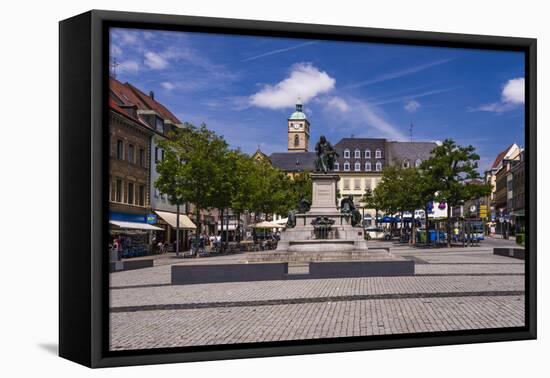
x=114, y=64
x=411, y=131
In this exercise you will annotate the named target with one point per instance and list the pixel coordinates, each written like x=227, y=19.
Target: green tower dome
x=298, y=114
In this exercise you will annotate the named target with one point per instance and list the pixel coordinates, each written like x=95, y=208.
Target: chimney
x=152, y=95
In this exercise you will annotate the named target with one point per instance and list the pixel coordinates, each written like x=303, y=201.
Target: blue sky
x=245, y=88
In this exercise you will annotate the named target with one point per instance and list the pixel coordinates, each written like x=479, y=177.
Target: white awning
x=266, y=224
x=134, y=225
x=170, y=218
x=282, y=221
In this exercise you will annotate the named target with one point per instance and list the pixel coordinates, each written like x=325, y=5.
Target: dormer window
x=159, y=124
x=417, y=163
x=346, y=153
x=367, y=153
x=378, y=166
x=357, y=154
x=357, y=167
x=346, y=165
x=336, y=166
x=406, y=163
x=378, y=153
x=368, y=167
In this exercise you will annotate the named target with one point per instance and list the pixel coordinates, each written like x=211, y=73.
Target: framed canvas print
x=234, y=188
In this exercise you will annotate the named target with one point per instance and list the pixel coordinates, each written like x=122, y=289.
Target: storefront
x=169, y=222
x=131, y=234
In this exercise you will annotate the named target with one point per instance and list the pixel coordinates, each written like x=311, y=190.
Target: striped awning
x=134, y=225
x=171, y=219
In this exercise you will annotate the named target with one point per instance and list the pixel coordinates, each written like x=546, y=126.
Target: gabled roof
x=501, y=156
x=400, y=151
x=127, y=94
x=293, y=161
x=151, y=104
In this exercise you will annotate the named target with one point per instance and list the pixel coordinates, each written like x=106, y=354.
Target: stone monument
x=323, y=232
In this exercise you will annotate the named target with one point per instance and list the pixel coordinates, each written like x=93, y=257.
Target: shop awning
x=266, y=224
x=170, y=218
x=134, y=225
x=282, y=221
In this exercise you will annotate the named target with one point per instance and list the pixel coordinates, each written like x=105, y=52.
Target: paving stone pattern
x=451, y=291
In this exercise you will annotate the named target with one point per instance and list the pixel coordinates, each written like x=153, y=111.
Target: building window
x=156, y=154
x=130, y=193
x=357, y=184
x=346, y=165
x=156, y=193
x=378, y=153
x=131, y=153
x=119, y=149
x=118, y=190
x=406, y=163
x=357, y=166
x=367, y=153
x=336, y=166
x=346, y=184
x=357, y=153
x=417, y=163
x=346, y=153
x=159, y=124
x=368, y=167
x=142, y=157
x=378, y=166
x=161, y=155
x=296, y=140
x=141, y=198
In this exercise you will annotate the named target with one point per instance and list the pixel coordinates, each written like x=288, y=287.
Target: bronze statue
x=304, y=205
x=326, y=155
x=348, y=209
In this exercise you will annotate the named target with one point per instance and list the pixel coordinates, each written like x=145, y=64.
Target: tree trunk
x=177, y=229
x=427, y=225
x=413, y=235
x=198, y=233
x=221, y=230
x=448, y=225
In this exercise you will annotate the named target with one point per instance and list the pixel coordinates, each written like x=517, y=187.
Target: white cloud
x=360, y=115
x=155, y=61
x=305, y=81
x=337, y=103
x=278, y=51
x=412, y=106
x=115, y=50
x=511, y=97
x=398, y=74
x=514, y=91
x=167, y=85
x=128, y=67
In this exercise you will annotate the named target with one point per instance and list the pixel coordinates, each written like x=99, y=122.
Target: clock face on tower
x=296, y=126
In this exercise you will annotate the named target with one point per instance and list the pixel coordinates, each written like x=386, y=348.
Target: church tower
x=298, y=130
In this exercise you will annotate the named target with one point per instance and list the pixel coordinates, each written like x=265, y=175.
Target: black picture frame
x=83, y=208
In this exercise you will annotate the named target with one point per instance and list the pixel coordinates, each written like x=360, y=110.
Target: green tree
x=452, y=168
x=372, y=200
x=193, y=168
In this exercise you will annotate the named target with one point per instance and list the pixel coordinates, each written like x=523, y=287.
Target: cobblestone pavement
x=451, y=290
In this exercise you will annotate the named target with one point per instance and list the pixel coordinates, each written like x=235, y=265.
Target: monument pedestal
x=342, y=237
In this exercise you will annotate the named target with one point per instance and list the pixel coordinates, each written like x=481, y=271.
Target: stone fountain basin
x=321, y=245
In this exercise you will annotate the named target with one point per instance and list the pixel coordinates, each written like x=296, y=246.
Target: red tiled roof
x=153, y=104
x=500, y=156
x=116, y=107
x=127, y=94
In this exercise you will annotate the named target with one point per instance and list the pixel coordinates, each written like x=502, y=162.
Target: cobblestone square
x=451, y=290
